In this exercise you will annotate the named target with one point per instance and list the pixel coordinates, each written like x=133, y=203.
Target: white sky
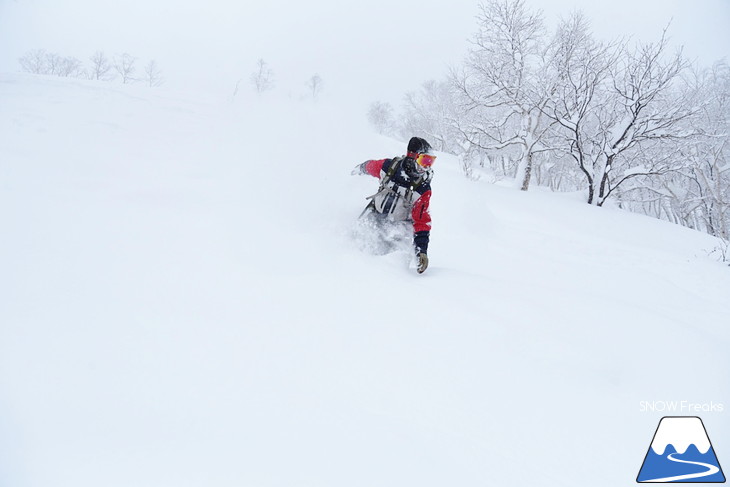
x=369, y=50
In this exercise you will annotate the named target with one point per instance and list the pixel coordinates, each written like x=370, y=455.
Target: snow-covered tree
x=100, y=67
x=53, y=62
x=380, y=115
x=314, y=84
x=35, y=62
x=697, y=195
x=616, y=120
x=70, y=67
x=153, y=74
x=710, y=155
x=263, y=77
x=39, y=61
x=618, y=110
x=124, y=65
x=503, y=84
x=582, y=67
x=431, y=112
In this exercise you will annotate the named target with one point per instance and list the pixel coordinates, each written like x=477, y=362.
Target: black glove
x=422, y=262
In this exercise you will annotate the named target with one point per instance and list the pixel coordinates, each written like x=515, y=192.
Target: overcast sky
x=376, y=49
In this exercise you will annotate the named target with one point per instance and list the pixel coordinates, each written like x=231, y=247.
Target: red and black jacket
x=419, y=214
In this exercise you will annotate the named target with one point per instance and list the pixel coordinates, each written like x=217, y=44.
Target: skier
x=404, y=193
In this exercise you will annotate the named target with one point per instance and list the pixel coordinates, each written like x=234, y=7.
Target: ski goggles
x=423, y=160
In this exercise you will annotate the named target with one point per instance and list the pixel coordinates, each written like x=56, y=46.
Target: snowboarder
x=404, y=194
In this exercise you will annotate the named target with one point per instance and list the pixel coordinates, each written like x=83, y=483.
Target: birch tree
x=35, y=62
x=39, y=61
x=698, y=194
x=502, y=85
x=711, y=153
x=54, y=61
x=100, y=67
x=124, y=65
x=583, y=67
x=153, y=74
x=70, y=67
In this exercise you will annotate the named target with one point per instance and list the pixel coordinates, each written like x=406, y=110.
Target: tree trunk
x=524, y=171
x=591, y=194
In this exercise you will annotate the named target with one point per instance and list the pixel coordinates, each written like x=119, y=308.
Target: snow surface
x=182, y=303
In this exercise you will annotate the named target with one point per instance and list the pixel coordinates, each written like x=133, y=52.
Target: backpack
x=395, y=200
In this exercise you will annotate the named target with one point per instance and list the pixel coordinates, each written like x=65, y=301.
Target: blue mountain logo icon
x=681, y=452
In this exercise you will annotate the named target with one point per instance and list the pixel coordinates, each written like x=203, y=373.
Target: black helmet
x=418, y=149
x=419, y=146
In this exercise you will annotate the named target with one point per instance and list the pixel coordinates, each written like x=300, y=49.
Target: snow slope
x=182, y=303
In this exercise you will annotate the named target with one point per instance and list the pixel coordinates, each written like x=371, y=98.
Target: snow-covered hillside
x=183, y=302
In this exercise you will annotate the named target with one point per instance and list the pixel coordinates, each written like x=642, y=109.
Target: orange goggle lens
x=425, y=160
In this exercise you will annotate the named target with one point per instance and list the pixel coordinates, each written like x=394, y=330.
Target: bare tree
x=100, y=67
x=39, y=61
x=263, y=77
x=124, y=65
x=54, y=62
x=315, y=85
x=35, y=62
x=380, y=116
x=70, y=67
x=153, y=75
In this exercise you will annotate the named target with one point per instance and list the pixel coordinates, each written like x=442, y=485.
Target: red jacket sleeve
x=420, y=214
x=373, y=168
